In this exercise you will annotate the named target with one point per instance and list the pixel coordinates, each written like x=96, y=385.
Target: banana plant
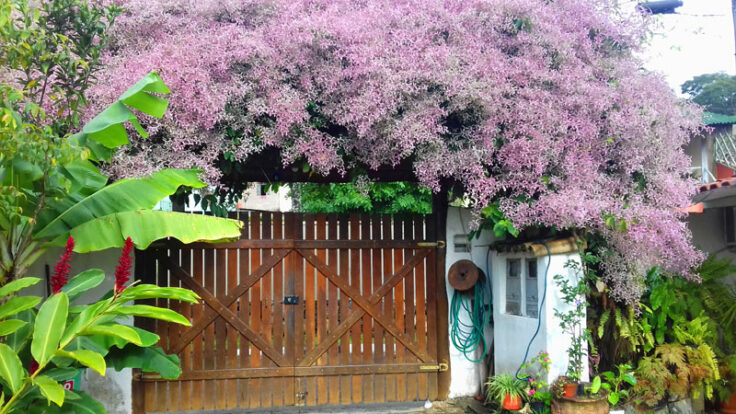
x=51, y=187
x=41, y=349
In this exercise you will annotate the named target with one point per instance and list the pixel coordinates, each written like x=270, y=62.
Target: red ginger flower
x=61, y=270
x=122, y=271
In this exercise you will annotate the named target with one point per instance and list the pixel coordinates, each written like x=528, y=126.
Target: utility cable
x=539, y=314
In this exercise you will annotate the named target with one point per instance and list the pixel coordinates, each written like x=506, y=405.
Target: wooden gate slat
x=255, y=315
x=266, y=299
x=332, y=310
x=309, y=384
x=343, y=304
x=278, y=311
x=356, y=351
x=232, y=334
x=197, y=402
x=399, y=307
x=379, y=387
x=290, y=339
x=388, y=308
x=322, y=392
x=244, y=314
x=421, y=321
x=209, y=331
x=367, y=288
x=409, y=317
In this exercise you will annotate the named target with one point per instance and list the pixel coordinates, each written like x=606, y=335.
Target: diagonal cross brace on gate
x=221, y=308
x=366, y=306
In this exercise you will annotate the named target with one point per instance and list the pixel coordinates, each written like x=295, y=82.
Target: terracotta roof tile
x=724, y=182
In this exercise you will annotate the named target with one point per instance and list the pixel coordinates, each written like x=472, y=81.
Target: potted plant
x=535, y=372
x=571, y=322
x=613, y=383
x=507, y=391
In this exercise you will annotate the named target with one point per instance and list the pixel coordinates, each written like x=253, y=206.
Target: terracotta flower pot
x=511, y=403
x=729, y=407
x=571, y=390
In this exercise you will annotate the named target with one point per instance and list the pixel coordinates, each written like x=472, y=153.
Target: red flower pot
x=511, y=403
x=570, y=390
x=729, y=407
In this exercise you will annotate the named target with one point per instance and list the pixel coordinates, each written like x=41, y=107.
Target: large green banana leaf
x=147, y=226
x=125, y=195
x=106, y=131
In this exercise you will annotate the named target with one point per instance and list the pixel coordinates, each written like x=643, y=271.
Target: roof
x=724, y=182
x=712, y=118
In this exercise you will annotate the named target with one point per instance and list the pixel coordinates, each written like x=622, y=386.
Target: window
x=513, y=287
x=531, y=285
x=522, y=287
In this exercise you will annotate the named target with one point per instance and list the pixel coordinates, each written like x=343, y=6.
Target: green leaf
x=17, y=285
x=84, y=176
x=87, y=358
x=11, y=325
x=89, y=313
x=613, y=398
x=49, y=327
x=83, y=282
x=629, y=379
x=84, y=404
x=115, y=330
x=596, y=385
x=147, y=338
x=147, y=226
x=130, y=194
x=11, y=369
x=150, y=359
x=50, y=389
x=108, y=128
x=146, y=291
x=18, y=304
x=18, y=339
x=153, y=312
x=62, y=374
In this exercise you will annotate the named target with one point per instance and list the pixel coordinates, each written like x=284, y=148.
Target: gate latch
x=291, y=300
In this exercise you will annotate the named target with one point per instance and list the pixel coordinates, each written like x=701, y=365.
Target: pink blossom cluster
x=539, y=105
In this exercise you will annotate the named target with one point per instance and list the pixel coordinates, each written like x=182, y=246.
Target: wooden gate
x=302, y=310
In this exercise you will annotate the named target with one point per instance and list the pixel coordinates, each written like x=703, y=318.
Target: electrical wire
x=467, y=338
x=539, y=314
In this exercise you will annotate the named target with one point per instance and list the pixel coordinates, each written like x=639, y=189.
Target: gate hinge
x=441, y=367
x=441, y=244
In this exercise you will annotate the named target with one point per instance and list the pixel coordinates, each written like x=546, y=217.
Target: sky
x=698, y=39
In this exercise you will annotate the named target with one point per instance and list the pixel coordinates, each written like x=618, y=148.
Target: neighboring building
x=260, y=197
x=714, y=161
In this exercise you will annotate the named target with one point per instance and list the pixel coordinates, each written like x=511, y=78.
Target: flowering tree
x=537, y=106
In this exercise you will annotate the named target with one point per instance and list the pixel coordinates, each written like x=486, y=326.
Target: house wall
x=113, y=390
x=510, y=334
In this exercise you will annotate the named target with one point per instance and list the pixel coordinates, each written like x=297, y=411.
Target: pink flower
x=532, y=392
x=61, y=270
x=531, y=380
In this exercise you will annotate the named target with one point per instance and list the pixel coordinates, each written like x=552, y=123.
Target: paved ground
x=454, y=406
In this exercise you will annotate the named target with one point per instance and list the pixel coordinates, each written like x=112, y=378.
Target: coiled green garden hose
x=468, y=337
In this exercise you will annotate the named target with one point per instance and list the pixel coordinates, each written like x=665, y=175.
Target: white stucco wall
x=466, y=377
x=113, y=390
x=510, y=334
